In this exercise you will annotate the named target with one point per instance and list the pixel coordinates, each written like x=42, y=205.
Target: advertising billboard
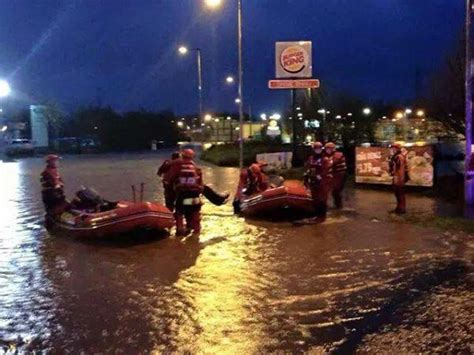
x=372, y=165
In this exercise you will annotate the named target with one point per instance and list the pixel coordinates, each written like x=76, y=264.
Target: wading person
x=168, y=190
x=186, y=179
x=252, y=180
x=399, y=172
x=318, y=179
x=52, y=187
x=339, y=169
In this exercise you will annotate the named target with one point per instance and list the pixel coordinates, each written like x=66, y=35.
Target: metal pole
x=199, y=65
x=241, y=101
x=468, y=180
x=294, y=118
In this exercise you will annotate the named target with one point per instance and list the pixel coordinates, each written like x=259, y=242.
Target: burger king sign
x=293, y=59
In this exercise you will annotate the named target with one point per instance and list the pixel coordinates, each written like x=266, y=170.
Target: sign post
x=293, y=70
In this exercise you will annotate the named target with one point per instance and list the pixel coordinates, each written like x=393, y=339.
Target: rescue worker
x=170, y=196
x=52, y=187
x=318, y=179
x=337, y=162
x=399, y=172
x=186, y=179
x=252, y=180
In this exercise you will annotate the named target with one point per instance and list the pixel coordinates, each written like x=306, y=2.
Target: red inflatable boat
x=291, y=199
x=124, y=218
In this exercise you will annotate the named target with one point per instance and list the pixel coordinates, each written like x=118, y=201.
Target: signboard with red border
x=294, y=84
x=372, y=165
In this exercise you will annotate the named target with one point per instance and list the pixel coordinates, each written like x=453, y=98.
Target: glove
x=236, y=205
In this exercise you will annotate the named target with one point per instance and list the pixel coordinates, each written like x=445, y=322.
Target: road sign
x=293, y=60
x=294, y=84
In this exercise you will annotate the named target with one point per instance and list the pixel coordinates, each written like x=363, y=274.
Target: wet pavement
x=243, y=286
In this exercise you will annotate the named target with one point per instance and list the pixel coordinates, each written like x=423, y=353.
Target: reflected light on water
x=220, y=288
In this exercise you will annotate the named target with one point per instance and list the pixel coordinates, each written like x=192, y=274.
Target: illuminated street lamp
x=263, y=116
x=366, y=111
x=399, y=115
x=408, y=111
x=420, y=113
x=207, y=118
x=229, y=80
x=238, y=101
x=183, y=51
x=275, y=116
x=213, y=4
x=4, y=88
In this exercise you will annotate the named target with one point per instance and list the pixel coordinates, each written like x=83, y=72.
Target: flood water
x=243, y=286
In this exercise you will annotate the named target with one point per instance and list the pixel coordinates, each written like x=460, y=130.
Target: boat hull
x=126, y=218
x=287, y=199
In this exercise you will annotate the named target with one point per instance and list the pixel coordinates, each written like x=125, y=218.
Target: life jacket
x=188, y=178
x=337, y=162
x=395, y=164
x=319, y=168
x=50, y=179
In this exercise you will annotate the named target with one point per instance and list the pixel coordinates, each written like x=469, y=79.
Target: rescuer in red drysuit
x=52, y=187
x=318, y=178
x=399, y=173
x=170, y=196
x=186, y=179
x=337, y=161
x=252, y=180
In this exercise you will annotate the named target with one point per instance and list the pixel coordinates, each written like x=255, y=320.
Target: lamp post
x=183, y=51
x=215, y=4
x=468, y=174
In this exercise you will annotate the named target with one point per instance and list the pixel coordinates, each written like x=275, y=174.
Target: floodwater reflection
x=243, y=286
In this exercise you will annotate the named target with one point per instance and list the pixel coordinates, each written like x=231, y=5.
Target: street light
x=183, y=51
x=238, y=101
x=215, y=4
x=420, y=113
x=275, y=116
x=207, y=118
x=4, y=88
x=408, y=111
x=229, y=80
x=263, y=116
x=366, y=111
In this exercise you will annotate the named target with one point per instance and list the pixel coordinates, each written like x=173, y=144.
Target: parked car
x=19, y=147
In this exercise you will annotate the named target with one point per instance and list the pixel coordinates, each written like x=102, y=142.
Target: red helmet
x=255, y=168
x=188, y=154
x=317, y=145
x=51, y=157
x=330, y=145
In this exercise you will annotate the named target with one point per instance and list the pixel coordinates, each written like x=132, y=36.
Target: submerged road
x=244, y=286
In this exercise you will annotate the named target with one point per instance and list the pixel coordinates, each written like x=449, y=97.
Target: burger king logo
x=294, y=59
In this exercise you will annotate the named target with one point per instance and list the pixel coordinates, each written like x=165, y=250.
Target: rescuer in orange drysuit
x=186, y=179
x=170, y=196
x=52, y=187
x=399, y=172
x=252, y=180
x=318, y=178
x=337, y=162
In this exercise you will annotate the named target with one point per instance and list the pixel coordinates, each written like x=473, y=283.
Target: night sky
x=123, y=53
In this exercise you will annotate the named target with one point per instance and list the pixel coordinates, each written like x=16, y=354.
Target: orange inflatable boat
x=292, y=198
x=124, y=218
